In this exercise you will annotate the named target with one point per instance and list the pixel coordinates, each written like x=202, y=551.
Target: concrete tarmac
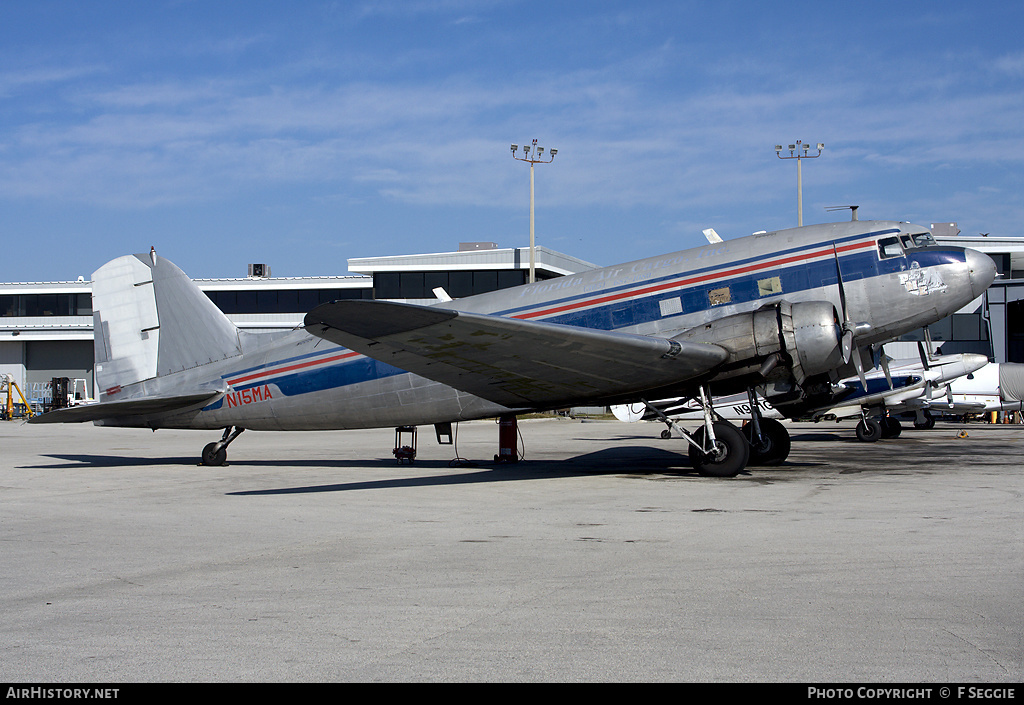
x=600, y=557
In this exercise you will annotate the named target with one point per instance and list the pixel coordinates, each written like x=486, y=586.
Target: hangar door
x=46, y=359
x=1015, y=331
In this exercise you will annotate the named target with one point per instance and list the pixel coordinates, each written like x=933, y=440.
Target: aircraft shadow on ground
x=620, y=460
x=614, y=461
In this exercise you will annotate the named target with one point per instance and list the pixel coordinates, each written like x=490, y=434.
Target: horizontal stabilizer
x=509, y=361
x=145, y=406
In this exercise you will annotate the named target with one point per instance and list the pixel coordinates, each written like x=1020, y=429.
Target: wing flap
x=145, y=406
x=509, y=361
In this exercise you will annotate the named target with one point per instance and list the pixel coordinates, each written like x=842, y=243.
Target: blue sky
x=301, y=134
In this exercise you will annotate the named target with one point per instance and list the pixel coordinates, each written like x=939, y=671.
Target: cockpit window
x=889, y=247
x=923, y=239
x=912, y=240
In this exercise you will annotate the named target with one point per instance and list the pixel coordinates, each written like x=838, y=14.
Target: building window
x=967, y=326
x=280, y=300
x=46, y=305
x=1002, y=261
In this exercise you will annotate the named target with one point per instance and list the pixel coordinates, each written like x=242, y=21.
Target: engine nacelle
x=783, y=341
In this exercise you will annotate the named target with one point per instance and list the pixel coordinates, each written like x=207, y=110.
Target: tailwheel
x=217, y=453
x=214, y=455
x=774, y=445
x=726, y=458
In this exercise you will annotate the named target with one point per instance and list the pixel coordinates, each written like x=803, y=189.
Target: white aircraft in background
x=898, y=387
x=998, y=386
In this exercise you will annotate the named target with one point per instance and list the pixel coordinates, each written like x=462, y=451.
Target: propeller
x=850, y=329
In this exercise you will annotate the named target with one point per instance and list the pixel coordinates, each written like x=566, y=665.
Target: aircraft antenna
x=853, y=210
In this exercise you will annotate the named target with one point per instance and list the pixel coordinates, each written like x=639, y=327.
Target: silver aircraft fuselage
x=888, y=275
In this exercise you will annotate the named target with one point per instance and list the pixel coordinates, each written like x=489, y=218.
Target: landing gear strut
x=868, y=430
x=871, y=429
x=723, y=452
x=924, y=419
x=769, y=439
x=717, y=449
x=217, y=453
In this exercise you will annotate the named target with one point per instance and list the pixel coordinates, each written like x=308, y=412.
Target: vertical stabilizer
x=151, y=320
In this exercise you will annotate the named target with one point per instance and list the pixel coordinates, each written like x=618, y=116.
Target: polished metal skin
x=790, y=311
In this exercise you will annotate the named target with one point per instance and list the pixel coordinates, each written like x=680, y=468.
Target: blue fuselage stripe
x=646, y=308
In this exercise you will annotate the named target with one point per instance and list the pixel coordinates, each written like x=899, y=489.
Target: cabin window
x=717, y=297
x=767, y=287
x=889, y=247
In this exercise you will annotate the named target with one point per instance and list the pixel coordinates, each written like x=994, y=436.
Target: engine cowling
x=782, y=341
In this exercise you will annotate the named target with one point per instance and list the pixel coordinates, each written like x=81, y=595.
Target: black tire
x=891, y=428
x=730, y=455
x=775, y=444
x=929, y=422
x=212, y=456
x=869, y=430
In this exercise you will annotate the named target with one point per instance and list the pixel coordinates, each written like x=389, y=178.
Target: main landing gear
x=871, y=429
x=719, y=449
x=217, y=453
x=768, y=438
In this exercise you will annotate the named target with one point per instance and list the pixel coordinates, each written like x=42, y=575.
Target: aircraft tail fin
x=151, y=320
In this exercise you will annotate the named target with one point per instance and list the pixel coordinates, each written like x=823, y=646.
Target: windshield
x=923, y=239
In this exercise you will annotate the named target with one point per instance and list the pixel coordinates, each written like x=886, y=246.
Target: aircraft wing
x=128, y=407
x=960, y=407
x=508, y=361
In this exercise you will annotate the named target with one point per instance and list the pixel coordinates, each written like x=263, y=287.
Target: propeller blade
x=920, y=352
x=859, y=364
x=842, y=289
x=885, y=366
x=847, y=345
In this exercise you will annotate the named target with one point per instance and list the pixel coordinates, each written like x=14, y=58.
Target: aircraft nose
x=974, y=361
x=981, y=270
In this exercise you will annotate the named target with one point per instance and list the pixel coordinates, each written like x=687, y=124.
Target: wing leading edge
x=129, y=407
x=508, y=361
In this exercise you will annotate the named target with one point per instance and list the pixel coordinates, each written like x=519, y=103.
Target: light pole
x=537, y=158
x=794, y=153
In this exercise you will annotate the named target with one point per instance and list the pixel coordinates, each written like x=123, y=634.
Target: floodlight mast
x=794, y=153
x=537, y=158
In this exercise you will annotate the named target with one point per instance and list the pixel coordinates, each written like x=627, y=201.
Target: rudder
x=151, y=320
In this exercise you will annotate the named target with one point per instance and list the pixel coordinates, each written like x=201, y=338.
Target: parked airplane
x=903, y=386
x=998, y=386
x=790, y=311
